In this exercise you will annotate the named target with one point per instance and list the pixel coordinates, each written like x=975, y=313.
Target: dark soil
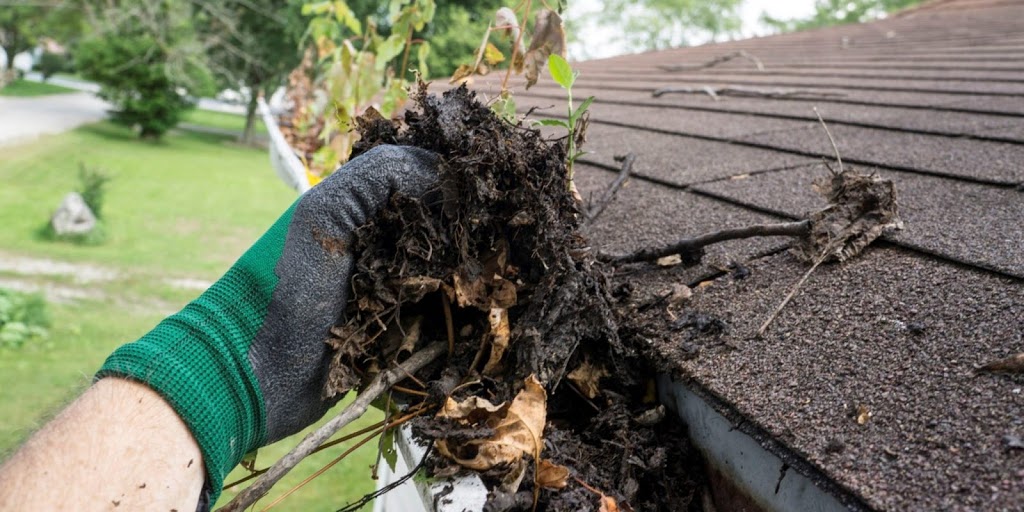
x=500, y=232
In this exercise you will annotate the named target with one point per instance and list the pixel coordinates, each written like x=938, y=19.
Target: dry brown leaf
x=551, y=475
x=669, y=261
x=548, y=38
x=464, y=72
x=471, y=292
x=499, y=336
x=416, y=287
x=608, y=504
x=587, y=377
x=517, y=429
x=1012, y=364
x=863, y=414
x=861, y=208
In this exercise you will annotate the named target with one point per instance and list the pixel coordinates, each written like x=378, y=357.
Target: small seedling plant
x=565, y=76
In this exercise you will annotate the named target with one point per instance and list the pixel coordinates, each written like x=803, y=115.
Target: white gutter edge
x=287, y=165
x=765, y=478
x=461, y=493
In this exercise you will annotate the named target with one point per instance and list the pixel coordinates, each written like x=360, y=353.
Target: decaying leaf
x=608, y=504
x=587, y=377
x=1012, y=364
x=669, y=261
x=492, y=55
x=518, y=428
x=548, y=38
x=863, y=414
x=506, y=21
x=551, y=475
x=861, y=208
x=498, y=337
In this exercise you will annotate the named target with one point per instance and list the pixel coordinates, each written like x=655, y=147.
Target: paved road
x=27, y=118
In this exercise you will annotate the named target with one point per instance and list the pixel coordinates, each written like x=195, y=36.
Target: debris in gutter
x=721, y=59
x=1013, y=364
x=746, y=92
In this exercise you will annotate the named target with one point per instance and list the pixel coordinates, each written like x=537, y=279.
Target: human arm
x=99, y=454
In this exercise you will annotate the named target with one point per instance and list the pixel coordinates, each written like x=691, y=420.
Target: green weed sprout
x=565, y=76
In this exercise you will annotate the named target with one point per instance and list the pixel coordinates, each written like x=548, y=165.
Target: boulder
x=73, y=217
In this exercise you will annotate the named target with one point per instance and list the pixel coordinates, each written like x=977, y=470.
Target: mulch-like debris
x=542, y=394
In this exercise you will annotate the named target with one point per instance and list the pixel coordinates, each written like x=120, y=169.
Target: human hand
x=244, y=364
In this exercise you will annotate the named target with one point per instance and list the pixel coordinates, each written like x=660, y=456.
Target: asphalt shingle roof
x=932, y=98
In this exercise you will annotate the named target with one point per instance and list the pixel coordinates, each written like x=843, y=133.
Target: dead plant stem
x=791, y=294
x=613, y=189
x=356, y=409
x=515, y=48
x=693, y=246
x=835, y=148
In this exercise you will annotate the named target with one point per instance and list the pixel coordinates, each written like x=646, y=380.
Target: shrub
x=50, y=64
x=93, y=187
x=147, y=61
x=23, y=317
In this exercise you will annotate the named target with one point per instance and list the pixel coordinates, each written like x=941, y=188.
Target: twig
x=322, y=470
x=721, y=59
x=830, y=139
x=357, y=408
x=448, y=323
x=609, y=194
x=694, y=246
x=358, y=504
x=791, y=294
x=751, y=92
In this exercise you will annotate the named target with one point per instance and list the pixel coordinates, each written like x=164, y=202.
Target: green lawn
x=25, y=88
x=221, y=120
x=185, y=207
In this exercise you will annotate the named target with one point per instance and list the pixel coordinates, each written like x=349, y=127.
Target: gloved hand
x=244, y=364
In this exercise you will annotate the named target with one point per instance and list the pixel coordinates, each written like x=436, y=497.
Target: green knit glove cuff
x=197, y=359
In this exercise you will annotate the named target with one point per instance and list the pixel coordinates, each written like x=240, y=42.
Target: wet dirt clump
x=539, y=394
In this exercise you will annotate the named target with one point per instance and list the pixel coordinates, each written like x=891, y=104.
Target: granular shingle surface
x=898, y=335
x=932, y=98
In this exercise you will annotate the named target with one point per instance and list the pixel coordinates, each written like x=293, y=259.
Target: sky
x=600, y=41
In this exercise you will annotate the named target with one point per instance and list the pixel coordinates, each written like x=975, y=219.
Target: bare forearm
x=119, y=445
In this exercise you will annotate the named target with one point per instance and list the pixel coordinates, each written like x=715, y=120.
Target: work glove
x=244, y=364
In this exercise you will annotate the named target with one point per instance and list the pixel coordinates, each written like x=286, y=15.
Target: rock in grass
x=73, y=216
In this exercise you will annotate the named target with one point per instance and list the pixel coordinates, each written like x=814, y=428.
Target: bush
x=50, y=64
x=93, y=187
x=23, y=317
x=147, y=62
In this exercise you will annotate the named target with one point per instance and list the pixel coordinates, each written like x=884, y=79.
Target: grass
x=26, y=88
x=221, y=121
x=184, y=207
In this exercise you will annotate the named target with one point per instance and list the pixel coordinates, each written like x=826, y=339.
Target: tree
x=658, y=24
x=251, y=43
x=23, y=22
x=146, y=58
x=837, y=12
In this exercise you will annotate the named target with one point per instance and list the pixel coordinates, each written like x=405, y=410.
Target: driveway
x=26, y=118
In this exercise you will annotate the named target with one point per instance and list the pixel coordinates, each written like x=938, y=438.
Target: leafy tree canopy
x=657, y=24
x=23, y=22
x=837, y=12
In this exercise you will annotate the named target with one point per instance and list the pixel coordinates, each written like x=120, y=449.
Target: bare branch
x=721, y=59
x=750, y=92
x=609, y=194
x=835, y=148
x=357, y=408
x=691, y=249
